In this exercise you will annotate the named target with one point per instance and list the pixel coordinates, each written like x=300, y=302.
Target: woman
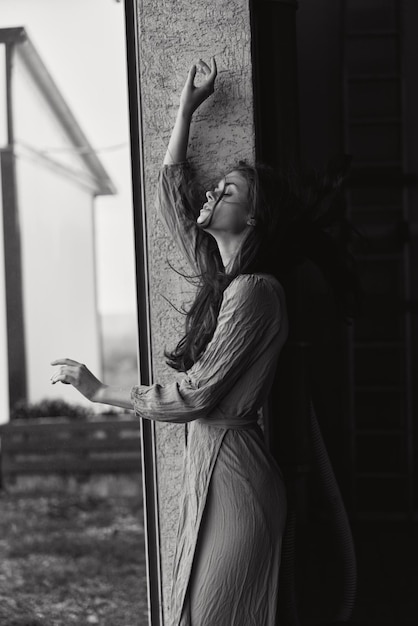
x=233, y=502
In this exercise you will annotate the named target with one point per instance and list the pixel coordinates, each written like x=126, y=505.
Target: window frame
x=148, y=437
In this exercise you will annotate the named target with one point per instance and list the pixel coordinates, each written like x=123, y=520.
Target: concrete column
x=174, y=34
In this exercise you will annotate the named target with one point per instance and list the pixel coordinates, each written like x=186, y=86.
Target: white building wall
x=3, y=103
x=58, y=276
x=34, y=123
x=4, y=371
x=55, y=208
x=4, y=374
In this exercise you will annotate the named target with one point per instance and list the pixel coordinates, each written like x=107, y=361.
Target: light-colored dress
x=233, y=501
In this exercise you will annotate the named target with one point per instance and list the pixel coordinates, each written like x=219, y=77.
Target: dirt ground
x=67, y=559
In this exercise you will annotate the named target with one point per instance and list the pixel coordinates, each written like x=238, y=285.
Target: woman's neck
x=228, y=247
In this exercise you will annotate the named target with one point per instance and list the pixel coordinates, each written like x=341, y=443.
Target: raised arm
x=176, y=198
x=191, y=98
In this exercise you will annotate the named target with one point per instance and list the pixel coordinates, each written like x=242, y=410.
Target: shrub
x=49, y=408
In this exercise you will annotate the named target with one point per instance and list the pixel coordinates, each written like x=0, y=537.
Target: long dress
x=233, y=501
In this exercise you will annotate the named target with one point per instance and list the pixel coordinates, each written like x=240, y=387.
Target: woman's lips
x=205, y=215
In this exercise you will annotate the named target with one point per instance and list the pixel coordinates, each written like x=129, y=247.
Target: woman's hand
x=192, y=96
x=76, y=374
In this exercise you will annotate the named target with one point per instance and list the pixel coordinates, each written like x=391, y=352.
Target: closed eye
x=220, y=193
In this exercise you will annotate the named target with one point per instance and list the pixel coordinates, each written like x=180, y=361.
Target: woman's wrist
x=115, y=396
x=185, y=113
x=100, y=394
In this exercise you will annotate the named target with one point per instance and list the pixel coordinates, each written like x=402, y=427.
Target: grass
x=71, y=560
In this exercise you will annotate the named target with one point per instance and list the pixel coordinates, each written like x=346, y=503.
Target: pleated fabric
x=234, y=578
x=233, y=502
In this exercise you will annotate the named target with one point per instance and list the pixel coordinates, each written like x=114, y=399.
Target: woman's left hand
x=192, y=96
x=79, y=376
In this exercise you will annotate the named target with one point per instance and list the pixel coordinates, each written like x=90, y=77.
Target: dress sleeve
x=249, y=319
x=175, y=204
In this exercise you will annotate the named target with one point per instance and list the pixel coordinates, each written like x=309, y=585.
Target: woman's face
x=227, y=208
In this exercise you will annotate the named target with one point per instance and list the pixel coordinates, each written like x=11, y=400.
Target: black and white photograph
x=208, y=312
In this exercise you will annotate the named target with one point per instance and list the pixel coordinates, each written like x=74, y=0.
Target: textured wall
x=173, y=35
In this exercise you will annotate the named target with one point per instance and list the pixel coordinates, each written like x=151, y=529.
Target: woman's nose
x=210, y=196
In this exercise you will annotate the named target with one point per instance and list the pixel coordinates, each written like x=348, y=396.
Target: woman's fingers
x=193, y=95
x=67, y=374
x=213, y=68
x=65, y=362
x=74, y=373
x=191, y=75
x=204, y=67
x=60, y=378
x=211, y=71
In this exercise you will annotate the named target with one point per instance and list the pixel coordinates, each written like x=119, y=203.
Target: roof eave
x=46, y=84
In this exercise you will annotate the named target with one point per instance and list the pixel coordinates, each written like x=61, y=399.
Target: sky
x=82, y=43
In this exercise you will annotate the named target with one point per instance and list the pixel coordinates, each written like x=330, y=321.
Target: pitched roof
x=53, y=96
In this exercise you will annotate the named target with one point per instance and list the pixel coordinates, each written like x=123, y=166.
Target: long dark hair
x=297, y=217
